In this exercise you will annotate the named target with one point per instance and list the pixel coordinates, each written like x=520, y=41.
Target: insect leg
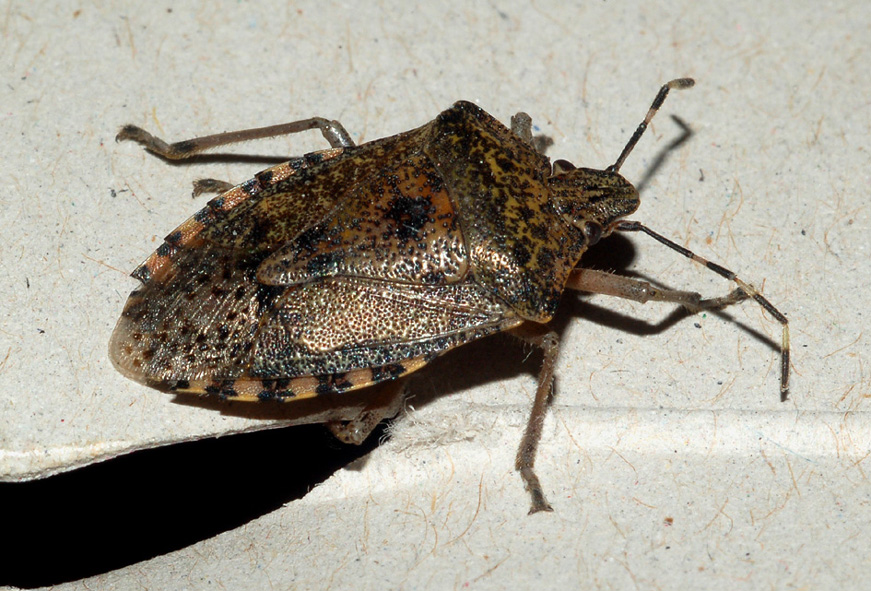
x=521, y=126
x=548, y=341
x=333, y=132
x=211, y=186
x=384, y=403
x=598, y=284
x=594, y=281
x=630, y=226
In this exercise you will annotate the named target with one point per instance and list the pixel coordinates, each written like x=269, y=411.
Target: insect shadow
x=223, y=158
x=132, y=508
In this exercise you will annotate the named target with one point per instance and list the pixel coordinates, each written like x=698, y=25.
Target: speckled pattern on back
x=351, y=266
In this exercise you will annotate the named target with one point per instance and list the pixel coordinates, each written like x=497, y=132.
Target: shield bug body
x=357, y=265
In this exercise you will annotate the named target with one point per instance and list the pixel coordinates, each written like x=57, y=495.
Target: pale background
x=667, y=455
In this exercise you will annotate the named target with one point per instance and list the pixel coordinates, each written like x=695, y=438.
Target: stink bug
x=358, y=265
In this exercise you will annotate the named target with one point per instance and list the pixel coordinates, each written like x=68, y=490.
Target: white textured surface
x=649, y=423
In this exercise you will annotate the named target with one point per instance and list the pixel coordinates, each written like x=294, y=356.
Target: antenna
x=639, y=131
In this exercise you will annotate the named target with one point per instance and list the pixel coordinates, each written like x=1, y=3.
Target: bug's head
x=592, y=200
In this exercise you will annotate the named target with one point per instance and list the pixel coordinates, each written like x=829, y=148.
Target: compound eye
x=561, y=166
x=592, y=232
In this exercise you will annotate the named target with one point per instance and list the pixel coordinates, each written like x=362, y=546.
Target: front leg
x=521, y=126
x=601, y=282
